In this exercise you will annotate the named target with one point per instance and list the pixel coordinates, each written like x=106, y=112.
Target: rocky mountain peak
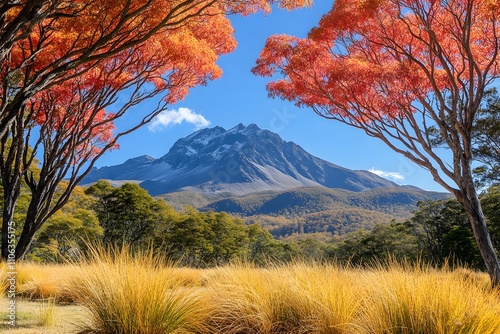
x=241, y=160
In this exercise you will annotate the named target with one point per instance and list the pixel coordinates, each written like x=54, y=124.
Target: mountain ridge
x=241, y=160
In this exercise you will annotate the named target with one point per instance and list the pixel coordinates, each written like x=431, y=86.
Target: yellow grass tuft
x=290, y=299
x=43, y=281
x=46, y=313
x=4, y=284
x=126, y=294
x=420, y=299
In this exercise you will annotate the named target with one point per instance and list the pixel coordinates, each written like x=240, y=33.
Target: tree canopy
x=62, y=66
x=397, y=70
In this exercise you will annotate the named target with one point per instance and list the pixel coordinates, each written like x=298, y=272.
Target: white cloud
x=178, y=116
x=394, y=176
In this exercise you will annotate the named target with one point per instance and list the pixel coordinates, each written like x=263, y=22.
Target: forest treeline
x=312, y=209
x=437, y=232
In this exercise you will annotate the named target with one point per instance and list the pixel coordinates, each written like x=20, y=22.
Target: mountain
x=241, y=160
x=256, y=175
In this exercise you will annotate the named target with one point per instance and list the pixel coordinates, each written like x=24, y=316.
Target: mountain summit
x=241, y=160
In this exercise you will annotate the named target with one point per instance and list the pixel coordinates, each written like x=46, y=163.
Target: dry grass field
x=119, y=293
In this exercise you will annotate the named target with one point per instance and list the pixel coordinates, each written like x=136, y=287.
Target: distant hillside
x=313, y=209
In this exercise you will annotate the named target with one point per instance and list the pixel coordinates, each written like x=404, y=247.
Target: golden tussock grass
x=39, y=281
x=46, y=313
x=137, y=294
x=291, y=299
x=408, y=299
x=44, y=281
x=145, y=294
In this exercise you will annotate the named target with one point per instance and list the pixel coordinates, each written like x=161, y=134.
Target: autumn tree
x=58, y=39
x=61, y=75
x=18, y=19
x=395, y=69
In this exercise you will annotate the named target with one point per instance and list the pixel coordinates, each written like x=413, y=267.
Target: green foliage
x=129, y=215
x=66, y=234
x=486, y=140
x=444, y=232
x=228, y=237
x=310, y=247
x=459, y=243
x=205, y=239
x=216, y=238
x=263, y=248
x=490, y=201
x=385, y=241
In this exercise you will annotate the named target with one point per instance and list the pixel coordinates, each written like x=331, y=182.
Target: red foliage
x=109, y=46
x=377, y=58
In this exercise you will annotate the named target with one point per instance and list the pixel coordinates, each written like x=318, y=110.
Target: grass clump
x=46, y=314
x=141, y=294
x=291, y=299
x=402, y=299
x=136, y=294
x=4, y=284
x=45, y=282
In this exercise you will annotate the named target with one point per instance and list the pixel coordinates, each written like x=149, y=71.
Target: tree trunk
x=11, y=194
x=32, y=224
x=24, y=243
x=477, y=220
x=7, y=219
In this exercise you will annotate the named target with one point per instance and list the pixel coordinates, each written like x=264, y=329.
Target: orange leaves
x=99, y=30
x=381, y=57
x=491, y=8
x=246, y=7
x=173, y=59
x=294, y=4
x=186, y=57
x=82, y=59
x=345, y=16
x=293, y=57
x=65, y=112
x=276, y=52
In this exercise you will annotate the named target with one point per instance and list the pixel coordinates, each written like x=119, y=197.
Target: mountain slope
x=312, y=209
x=300, y=201
x=242, y=160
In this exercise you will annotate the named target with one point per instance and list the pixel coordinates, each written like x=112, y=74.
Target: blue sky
x=241, y=97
